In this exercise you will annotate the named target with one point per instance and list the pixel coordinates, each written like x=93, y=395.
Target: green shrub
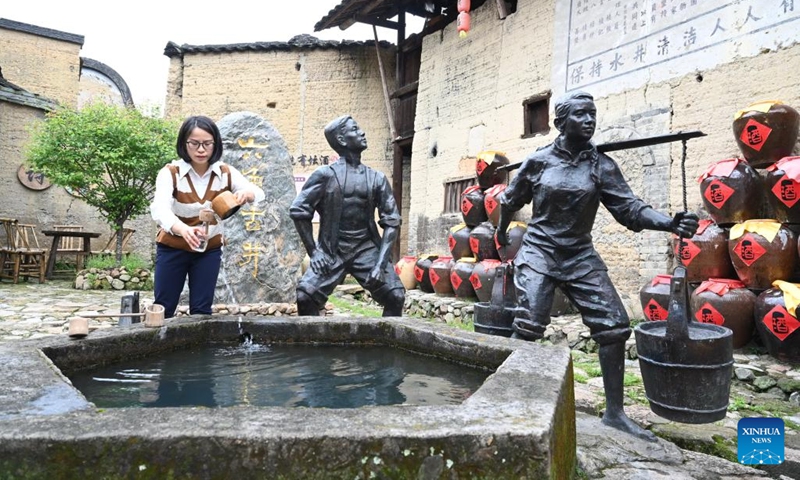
x=107, y=262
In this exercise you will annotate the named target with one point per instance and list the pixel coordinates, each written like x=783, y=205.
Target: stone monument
x=262, y=256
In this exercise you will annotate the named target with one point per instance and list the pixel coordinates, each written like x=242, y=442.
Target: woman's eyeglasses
x=196, y=145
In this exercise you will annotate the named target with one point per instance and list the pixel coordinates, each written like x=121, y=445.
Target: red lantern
x=463, y=6
x=462, y=24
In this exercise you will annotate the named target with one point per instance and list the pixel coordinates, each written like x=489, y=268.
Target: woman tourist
x=184, y=187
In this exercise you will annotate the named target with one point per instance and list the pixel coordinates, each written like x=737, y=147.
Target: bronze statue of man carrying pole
x=567, y=181
x=346, y=194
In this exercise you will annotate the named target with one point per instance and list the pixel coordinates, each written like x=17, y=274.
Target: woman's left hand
x=243, y=197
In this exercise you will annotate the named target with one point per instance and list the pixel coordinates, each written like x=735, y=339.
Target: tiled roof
x=303, y=41
x=350, y=8
x=15, y=94
x=41, y=31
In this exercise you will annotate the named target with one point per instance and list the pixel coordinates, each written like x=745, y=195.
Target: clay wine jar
x=405, y=270
x=422, y=272
x=481, y=242
x=472, y=207
x=514, y=234
x=482, y=279
x=440, y=275
x=782, y=184
x=654, y=296
x=492, y=204
x=727, y=303
x=778, y=329
x=487, y=169
x=762, y=251
x=766, y=132
x=732, y=192
x=458, y=241
x=459, y=277
x=705, y=255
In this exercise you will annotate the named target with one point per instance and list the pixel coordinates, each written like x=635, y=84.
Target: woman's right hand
x=192, y=235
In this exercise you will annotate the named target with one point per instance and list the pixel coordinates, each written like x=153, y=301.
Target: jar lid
x=789, y=165
x=720, y=286
x=661, y=279
x=791, y=295
x=723, y=168
x=767, y=228
x=762, y=106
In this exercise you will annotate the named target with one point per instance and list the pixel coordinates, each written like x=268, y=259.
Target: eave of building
x=14, y=94
x=41, y=31
x=303, y=41
x=380, y=12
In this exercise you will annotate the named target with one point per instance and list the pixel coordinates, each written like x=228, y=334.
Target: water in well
x=329, y=376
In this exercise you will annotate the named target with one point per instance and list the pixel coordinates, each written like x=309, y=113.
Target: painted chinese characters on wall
x=617, y=44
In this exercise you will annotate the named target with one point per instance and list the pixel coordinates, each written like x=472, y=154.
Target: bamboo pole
x=386, y=101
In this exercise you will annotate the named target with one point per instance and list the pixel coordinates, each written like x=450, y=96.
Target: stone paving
x=30, y=310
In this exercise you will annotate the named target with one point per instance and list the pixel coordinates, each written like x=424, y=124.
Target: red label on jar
x=748, y=250
x=708, y=314
x=780, y=322
x=466, y=205
x=787, y=191
x=434, y=276
x=654, y=311
x=455, y=280
x=397, y=269
x=474, y=245
x=755, y=135
x=451, y=242
x=480, y=166
x=491, y=204
x=686, y=250
x=475, y=281
x=418, y=273
x=717, y=193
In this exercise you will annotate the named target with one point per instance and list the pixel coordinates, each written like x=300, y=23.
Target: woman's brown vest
x=187, y=206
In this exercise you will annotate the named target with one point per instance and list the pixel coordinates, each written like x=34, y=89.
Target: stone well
x=519, y=424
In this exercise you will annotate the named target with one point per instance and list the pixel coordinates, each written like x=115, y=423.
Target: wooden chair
x=111, y=246
x=70, y=246
x=23, y=257
x=8, y=226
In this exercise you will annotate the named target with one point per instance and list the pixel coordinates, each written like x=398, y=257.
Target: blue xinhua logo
x=760, y=441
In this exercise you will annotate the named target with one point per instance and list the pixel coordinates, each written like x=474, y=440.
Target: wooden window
x=452, y=192
x=536, y=115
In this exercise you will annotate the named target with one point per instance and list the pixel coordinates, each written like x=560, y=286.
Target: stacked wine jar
x=743, y=262
x=469, y=269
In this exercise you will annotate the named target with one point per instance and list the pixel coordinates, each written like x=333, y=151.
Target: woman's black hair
x=203, y=123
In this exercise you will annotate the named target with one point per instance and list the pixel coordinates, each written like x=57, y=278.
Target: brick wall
x=471, y=94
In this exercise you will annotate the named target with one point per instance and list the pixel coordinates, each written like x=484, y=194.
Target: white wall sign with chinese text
x=607, y=46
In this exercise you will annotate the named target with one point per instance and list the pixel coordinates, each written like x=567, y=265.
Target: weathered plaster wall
x=45, y=208
x=471, y=94
x=298, y=91
x=44, y=66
